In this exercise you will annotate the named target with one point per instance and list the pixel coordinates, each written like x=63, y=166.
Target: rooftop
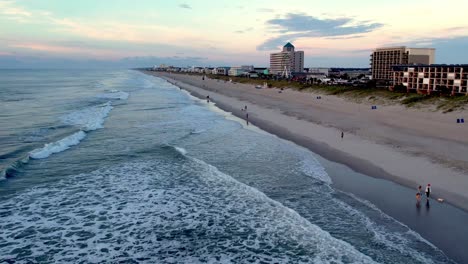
x=429, y=65
x=289, y=45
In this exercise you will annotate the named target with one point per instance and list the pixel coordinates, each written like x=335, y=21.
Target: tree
x=345, y=76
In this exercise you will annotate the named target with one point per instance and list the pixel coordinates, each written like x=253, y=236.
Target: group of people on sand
x=420, y=193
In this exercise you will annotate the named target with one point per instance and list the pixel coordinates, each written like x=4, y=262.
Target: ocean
x=118, y=166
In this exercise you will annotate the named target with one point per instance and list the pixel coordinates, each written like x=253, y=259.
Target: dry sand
x=411, y=147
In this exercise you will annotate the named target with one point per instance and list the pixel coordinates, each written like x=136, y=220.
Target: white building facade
x=287, y=61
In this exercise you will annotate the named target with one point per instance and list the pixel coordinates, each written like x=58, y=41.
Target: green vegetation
x=452, y=103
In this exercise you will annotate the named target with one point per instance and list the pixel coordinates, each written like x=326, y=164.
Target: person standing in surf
x=428, y=191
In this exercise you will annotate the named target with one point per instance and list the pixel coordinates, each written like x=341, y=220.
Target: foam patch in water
x=161, y=212
x=58, y=146
x=88, y=119
x=114, y=94
x=181, y=150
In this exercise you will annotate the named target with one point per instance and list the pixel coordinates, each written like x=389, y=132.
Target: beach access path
x=409, y=146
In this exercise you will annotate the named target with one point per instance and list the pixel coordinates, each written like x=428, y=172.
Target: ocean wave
x=58, y=146
x=181, y=150
x=13, y=168
x=162, y=211
x=114, y=94
x=312, y=167
x=197, y=131
x=90, y=118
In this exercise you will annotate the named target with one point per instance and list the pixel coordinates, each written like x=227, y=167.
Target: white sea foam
x=90, y=118
x=114, y=94
x=181, y=150
x=312, y=167
x=197, y=131
x=58, y=146
x=161, y=212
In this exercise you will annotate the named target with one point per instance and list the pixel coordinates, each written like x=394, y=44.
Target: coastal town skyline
x=335, y=33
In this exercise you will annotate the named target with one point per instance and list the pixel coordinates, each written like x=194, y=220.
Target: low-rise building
x=319, y=71
x=426, y=79
x=222, y=70
x=208, y=70
x=240, y=70
x=350, y=72
x=260, y=70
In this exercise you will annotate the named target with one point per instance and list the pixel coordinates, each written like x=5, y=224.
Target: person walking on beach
x=428, y=190
x=420, y=190
x=245, y=108
x=247, y=118
x=342, y=134
x=207, y=98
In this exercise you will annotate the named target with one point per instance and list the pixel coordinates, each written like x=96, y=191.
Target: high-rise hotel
x=287, y=61
x=382, y=59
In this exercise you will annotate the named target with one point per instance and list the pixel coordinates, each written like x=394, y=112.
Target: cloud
x=346, y=37
x=298, y=25
x=9, y=11
x=265, y=10
x=244, y=31
x=185, y=6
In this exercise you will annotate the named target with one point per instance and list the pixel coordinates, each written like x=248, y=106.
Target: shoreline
x=361, y=155
x=357, y=176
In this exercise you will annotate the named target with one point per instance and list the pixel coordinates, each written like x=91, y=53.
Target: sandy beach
x=410, y=147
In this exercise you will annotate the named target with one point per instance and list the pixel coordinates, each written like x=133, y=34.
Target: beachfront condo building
x=382, y=59
x=287, y=61
x=450, y=79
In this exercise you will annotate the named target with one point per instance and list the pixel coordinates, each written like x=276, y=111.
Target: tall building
x=383, y=58
x=287, y=61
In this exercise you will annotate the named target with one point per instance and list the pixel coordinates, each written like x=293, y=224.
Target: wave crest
x=58, y=146
x=88, y=119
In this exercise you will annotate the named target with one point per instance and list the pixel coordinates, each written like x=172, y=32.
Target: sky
x=123, y=33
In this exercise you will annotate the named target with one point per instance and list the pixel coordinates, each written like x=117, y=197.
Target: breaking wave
x=90, y=118
x=58, y=146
